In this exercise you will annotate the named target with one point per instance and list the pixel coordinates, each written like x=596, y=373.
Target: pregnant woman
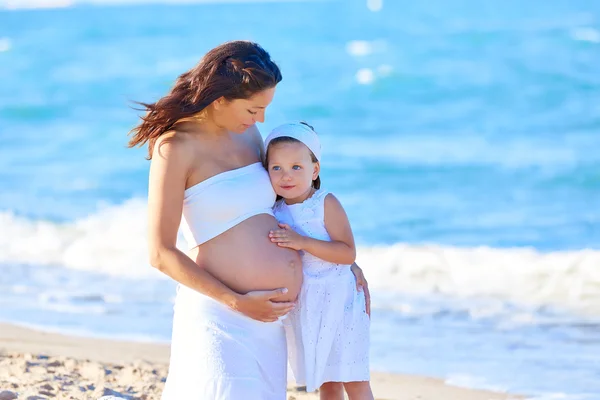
x=234, y=284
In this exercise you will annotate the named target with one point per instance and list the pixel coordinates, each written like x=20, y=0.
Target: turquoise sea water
x=462, y=138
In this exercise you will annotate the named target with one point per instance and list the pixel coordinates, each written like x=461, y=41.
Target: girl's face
x=292, y=171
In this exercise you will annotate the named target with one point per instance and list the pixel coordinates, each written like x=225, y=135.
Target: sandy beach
x=36, y=365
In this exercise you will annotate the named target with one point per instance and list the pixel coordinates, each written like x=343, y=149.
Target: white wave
x=566, y=279
x=74, y=308
x=113, y=241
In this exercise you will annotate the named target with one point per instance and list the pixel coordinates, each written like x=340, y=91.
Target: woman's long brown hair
x=233, y=70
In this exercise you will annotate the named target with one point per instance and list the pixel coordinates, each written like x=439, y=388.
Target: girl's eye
x=276, y=168
x=296, y=167
x=253, y=112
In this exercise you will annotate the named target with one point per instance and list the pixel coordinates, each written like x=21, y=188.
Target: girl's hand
x=287, y=237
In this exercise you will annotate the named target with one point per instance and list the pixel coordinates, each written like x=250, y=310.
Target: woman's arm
x=340, y=249
x=171, y=161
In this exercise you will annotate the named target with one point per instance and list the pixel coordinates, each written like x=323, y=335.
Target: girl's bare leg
x=331, y=391
x=359, y=390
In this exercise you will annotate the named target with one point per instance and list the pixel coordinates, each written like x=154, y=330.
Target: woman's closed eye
x=253, y=112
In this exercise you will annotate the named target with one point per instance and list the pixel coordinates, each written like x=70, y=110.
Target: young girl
x=328, y=331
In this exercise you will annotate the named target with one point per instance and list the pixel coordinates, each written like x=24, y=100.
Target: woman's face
x=240, y=114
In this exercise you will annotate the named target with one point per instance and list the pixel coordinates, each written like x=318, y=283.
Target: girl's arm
x=341, y=248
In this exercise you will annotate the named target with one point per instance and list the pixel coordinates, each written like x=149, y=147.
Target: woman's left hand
x=362, y=285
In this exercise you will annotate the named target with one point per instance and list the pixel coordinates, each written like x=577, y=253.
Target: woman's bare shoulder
x=173, y=144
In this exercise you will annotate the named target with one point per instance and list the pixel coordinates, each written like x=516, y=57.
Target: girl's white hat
x=300, y=132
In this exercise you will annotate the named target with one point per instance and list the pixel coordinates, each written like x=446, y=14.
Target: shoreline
x=39, y=363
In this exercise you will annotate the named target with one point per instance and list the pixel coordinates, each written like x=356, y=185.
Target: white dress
x=218, y=353
x=328, y=331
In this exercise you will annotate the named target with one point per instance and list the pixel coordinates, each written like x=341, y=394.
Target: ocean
x=462, y=137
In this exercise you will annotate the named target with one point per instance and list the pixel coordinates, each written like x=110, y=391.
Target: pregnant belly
x=244, y=259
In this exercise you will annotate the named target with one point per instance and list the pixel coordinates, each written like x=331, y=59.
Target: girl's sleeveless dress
x=328, y=331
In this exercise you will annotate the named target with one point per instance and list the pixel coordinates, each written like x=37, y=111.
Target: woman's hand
x=261, y=305
x=287, y=237
x=362, y=285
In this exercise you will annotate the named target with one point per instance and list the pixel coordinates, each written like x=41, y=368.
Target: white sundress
x=328, y=331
